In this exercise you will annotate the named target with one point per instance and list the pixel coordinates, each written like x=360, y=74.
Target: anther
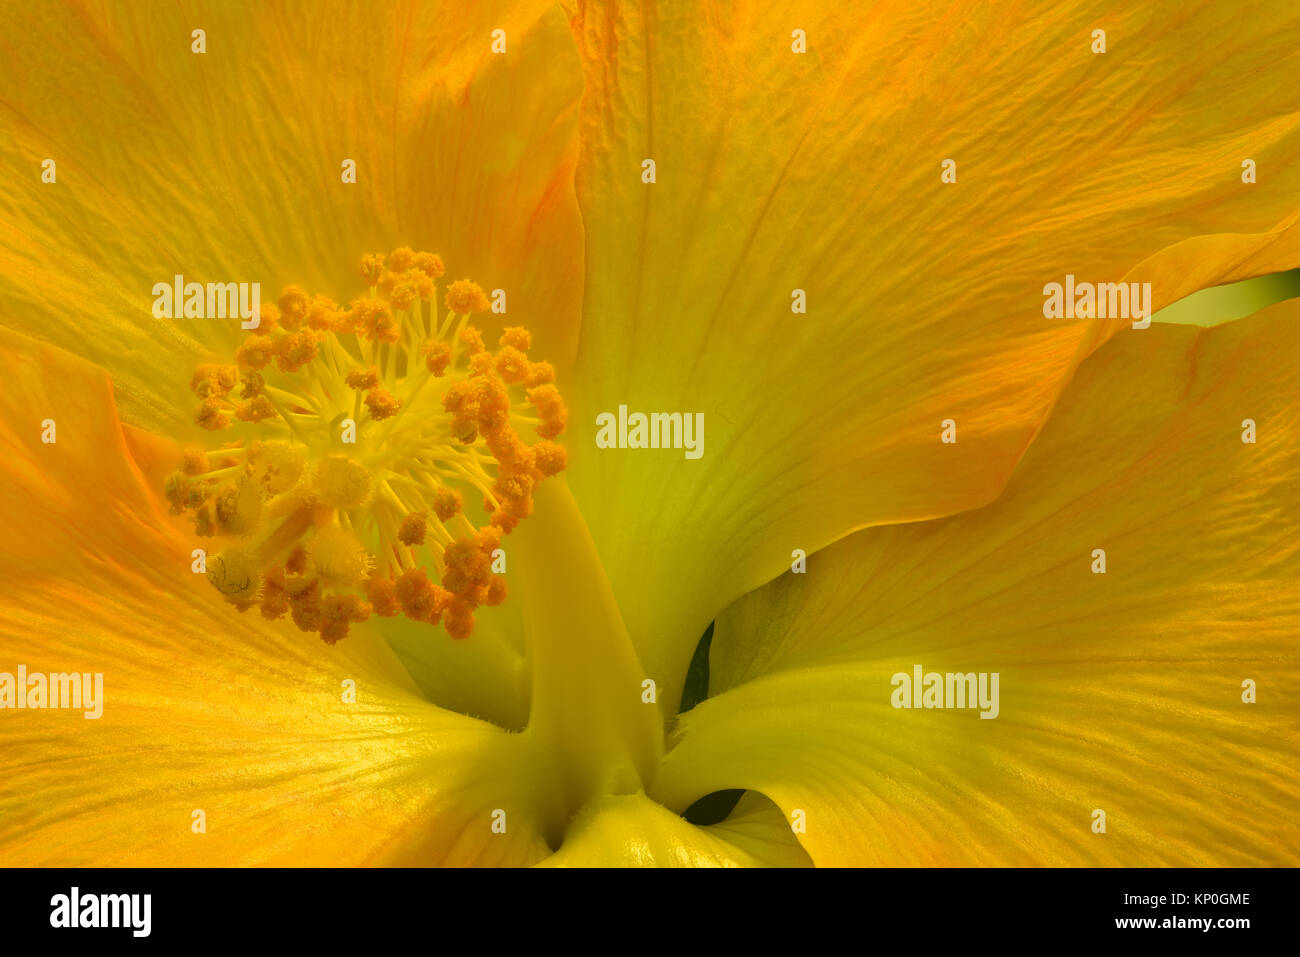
x=353, y=434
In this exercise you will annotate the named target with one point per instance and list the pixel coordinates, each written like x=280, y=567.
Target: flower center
x=353, y=435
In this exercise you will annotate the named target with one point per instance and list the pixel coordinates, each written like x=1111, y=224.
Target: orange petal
x=226, y=166
x=203, y=709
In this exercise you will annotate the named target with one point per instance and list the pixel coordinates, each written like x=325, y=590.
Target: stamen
x=328, y=529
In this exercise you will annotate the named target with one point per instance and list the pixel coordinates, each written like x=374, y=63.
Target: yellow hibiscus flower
x=652, y=191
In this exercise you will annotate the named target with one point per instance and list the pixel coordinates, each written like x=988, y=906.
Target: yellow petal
x=633, y=831
x=1119, y=692
x=227, y=166
x=777, y=171
x=203, y=709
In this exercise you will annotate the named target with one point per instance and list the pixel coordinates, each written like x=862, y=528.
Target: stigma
x=371, y=455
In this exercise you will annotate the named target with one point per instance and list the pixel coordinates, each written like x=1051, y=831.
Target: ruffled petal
x=1124, y=677
x=777, y=171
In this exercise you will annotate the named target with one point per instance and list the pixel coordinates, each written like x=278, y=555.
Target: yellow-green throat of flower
x=354, y=433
